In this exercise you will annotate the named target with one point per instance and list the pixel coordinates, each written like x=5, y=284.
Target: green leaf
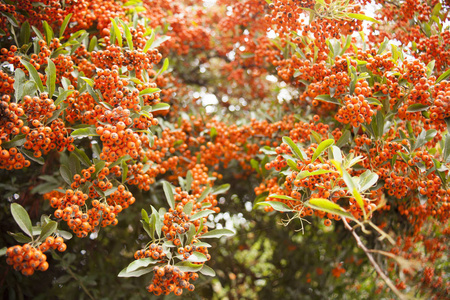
x=149, y=91
x=336, y=154
x=149, y=42
x=145, y=217
x=3, y=251
x=38, y=33
x=51, y=77
x=187, y=266
x=124, y=171
x=117, y=32
x=150, y=232
x=284, y=197
x=30, y=156
x=188, y=208
x=359, y=200
x=420, y=141
x=278, y=206
x=197, y=257
x=217, y=233
x=48, y=230
x=204, y=194
x=17, y=141
x=160, y=106
x=201, y=214
x=367, y=181
x=189, y=180
x=294, y=148
x=22, y=219
x=417, y=107
x=34, y=74
x=373, y=101
x=213, y=133
x=304, y=174
x=327, y=98
x=82, y=156
x=65, y=174
x=164, y=67
x=207, y=271
x=430, y=134
x=322, y=147
x=30, y=88
x=136, y=273
x=25, y=33
x=383, y=46
x=327, y=206
x=48, y=32
x=20, y=237
x=140, y=263
x=128, y=36
x=92, y=44
x=64, y=25
x=363, y=18
x=221, y=189
x=64, y=234
x=159, y=41
x=19, y=81
x=444, y=76
x=88, y=80
x=83, y=132
x=346, y=135
x=168, y=191
x=190, y=234
x=292, y=165
x=11, y=19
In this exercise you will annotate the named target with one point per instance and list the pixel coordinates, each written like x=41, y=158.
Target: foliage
x=171, y=112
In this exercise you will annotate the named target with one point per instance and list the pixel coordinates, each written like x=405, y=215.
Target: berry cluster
x=28, y=259
x=170, y=279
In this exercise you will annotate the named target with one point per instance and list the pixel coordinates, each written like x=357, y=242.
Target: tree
x=242, y=149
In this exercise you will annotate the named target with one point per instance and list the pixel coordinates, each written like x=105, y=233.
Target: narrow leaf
x=169, y=194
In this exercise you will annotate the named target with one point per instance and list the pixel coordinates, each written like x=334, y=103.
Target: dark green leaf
x=294, y=148
x=65, y=174
x=417, y=107
x=34, y=74
x=83, y=132
x=22, y=219
x=444, y=76
x=51, y=77
x=327, y=98
x=168, y=191
x=64, y=25
x=48, y=230
x=48, y=32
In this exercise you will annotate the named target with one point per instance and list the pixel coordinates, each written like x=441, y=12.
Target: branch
x=373, y=262
x=71, y=273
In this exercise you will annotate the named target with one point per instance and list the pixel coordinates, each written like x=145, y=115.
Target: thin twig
x=373, y=262
x=71, y=273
